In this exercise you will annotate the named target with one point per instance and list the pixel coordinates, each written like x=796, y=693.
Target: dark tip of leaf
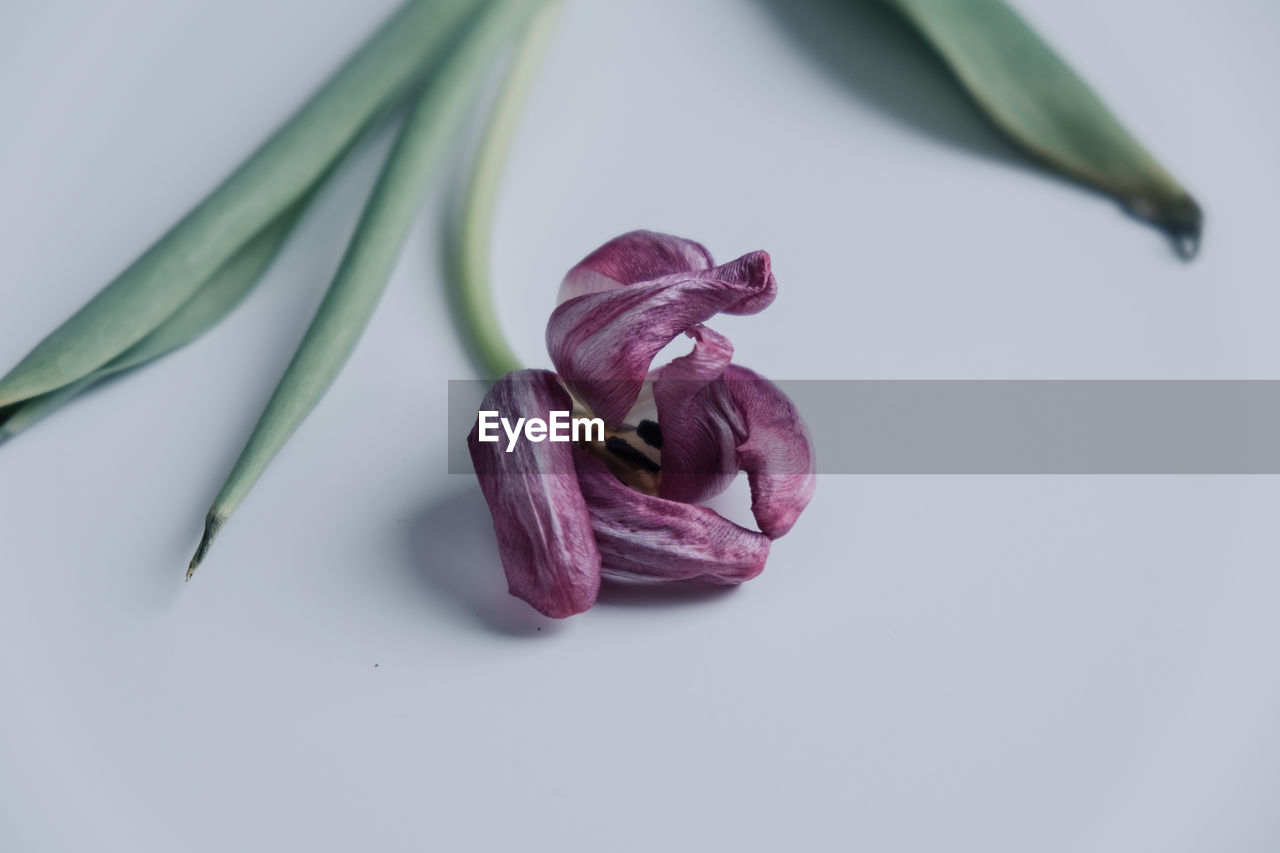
x=1180, y=218
x=212, y=524
x=1186, y=245
x=1184, y=221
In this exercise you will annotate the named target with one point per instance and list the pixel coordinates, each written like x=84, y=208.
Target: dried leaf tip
x=1036, y=99
x=1181, y=218
x=212, y=524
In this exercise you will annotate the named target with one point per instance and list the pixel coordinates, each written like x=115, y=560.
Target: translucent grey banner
x=1011, y=426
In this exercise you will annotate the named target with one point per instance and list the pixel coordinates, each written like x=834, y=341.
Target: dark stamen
x=650, y=434
x=619, y=447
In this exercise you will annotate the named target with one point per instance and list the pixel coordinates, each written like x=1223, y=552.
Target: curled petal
x=748, y=412
x=699, y=425
x=539, y=515
x=777, y=453
x=633, y=257
x=651, y=539
x=603, y=343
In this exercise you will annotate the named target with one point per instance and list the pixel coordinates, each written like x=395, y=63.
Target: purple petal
x=633, y=257
x=539, y=514
x=647, y=538
x=603, y=343
x=695, y=414
x=777, y=453
x=745, y=412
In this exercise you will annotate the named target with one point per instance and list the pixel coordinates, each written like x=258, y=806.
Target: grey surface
x=928, y=663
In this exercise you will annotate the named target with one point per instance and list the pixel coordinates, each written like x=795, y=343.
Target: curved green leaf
x=1039, y=102
x=212, y=302
x=424, y=138
x=167, y=274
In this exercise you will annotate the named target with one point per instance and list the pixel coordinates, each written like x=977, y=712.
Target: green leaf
x=1039, y=102
x=424, y=139
x=212, y=302
x=278, y=174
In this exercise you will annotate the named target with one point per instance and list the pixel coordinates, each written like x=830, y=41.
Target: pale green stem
x=470, y=286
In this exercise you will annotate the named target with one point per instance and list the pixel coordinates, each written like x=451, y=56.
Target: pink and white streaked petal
x=544, y=531
x=776, y=451
x=700, y=427
x=602, y=344
x=650, y=539
x=630, y=258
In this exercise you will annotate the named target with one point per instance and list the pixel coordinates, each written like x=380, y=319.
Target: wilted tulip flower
x=623, y=504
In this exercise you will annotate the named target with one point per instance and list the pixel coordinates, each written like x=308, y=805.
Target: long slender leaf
x=424, y=138
x=1037, y=100
x=470, y=288
x=213, y=301
x=168, y=273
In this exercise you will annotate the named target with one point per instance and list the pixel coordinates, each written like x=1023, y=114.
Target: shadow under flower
x=622, y=593
x=454, y=555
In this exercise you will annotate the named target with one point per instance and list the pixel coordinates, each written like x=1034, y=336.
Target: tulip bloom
x=567, y=514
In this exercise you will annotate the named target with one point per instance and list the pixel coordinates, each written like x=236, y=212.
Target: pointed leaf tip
x=212, y=524
x=1037, y=100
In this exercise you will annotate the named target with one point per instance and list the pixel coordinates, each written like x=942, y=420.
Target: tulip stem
x=470, y=288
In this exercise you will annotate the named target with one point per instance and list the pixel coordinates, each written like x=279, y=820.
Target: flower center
x=633, y=454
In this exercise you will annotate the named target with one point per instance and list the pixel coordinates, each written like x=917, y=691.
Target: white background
x=928, y=663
